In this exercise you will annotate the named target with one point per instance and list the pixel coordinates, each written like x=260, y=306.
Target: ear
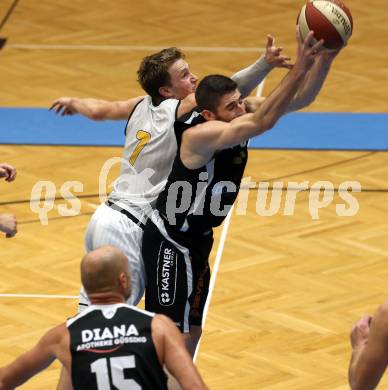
x=123, y=281
x=166, y=92
x=208, y=115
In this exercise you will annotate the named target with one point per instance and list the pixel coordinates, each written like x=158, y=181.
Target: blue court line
x=316, y=131
x=39, y=126
x=327, y=131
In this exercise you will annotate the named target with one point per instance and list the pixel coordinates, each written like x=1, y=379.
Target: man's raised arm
x=308, y=89
x=206, y=138
x=313, y=83
x=250, y=77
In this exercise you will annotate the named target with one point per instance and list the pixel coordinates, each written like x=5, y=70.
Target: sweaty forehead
x=178, y=67
x=230, y=97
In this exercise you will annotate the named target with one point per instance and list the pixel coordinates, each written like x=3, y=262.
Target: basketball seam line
x=342, y=39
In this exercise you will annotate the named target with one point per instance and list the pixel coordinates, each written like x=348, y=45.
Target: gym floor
x=289, y=287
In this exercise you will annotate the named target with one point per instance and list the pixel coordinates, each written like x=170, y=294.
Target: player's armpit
x=117, y=110
x=95, y=109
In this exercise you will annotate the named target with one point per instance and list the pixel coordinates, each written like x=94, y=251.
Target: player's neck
x=106, y=298
x=157, y=101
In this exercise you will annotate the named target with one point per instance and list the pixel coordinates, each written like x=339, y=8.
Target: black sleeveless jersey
x=112, y=349
x=196, y=200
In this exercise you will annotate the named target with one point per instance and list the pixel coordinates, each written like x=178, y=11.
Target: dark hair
x=153, y=70
x=211, y=89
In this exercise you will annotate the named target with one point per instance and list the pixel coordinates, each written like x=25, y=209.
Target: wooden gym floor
x=289, y=287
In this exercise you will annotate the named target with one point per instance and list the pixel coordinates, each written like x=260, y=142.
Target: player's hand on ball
x=274, y=56
x=307, y=49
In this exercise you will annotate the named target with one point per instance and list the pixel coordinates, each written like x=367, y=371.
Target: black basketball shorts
x=177, y=273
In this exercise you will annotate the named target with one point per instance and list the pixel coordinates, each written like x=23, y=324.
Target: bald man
x=110, y=345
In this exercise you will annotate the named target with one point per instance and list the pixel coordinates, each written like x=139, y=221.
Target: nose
x=241, y=108
x=194, y=78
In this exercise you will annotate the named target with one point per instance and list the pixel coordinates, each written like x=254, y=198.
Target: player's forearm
x=249, y=78
x=191, y=380
x=180, y=365
x=276, y=104
x=13, y=376
x=251, y=125
x=95, y=109
x=363, y=376
x=311, y=85
x=27, y=365
x=352, y=368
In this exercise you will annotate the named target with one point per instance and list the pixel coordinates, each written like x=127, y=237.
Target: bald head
x=105, y=270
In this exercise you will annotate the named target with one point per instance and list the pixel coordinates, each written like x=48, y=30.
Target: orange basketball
x=330, y=20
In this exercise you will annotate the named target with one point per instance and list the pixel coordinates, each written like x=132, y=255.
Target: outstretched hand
x=64, y=106
x=7, y=171
x=8, y=225
x=273, y=55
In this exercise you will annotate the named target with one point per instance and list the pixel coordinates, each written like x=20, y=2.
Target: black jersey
x=196, y=200
x=112, y=349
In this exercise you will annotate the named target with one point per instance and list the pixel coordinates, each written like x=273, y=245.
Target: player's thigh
x=169, y=277
x=201, y=281
x=110, y=227
x=200, y=249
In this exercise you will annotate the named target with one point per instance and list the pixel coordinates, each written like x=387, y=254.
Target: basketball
x=330, y=20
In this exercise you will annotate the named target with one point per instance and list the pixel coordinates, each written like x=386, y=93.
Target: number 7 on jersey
x=143, y=137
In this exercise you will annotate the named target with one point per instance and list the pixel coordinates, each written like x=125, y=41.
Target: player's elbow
x=96, y=115
x=268, y=122
x=303, y=103
x=307, y=102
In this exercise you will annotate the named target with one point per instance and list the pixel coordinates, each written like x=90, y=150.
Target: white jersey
x=150, y=148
